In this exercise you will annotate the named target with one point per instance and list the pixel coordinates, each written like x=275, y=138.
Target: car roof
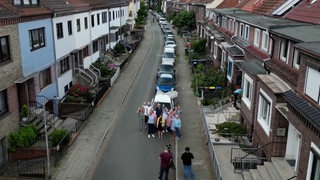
x=166, y=76
x=167, y=63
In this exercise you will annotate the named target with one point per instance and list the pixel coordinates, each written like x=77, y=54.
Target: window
x=95, y=46
x=44, y=78
x=4, y=49
x=109, y=16
x=104, y=17
x=85, y=23
x=284, y=49
x=70, y=27
x=312, y=88
x=98, y=19
x=215, y=49
x=64, y=65
x=231, y=25
x=241, y=30
x=85, y=52
x=59, y=29
x=256, y=37
x=235, y=28
x=230, y=68
x=78, y=25
x=3, y=102
x=66, y=88
x=296, y=59
x=36, y=38
x=112, y=15
x=223, y=60
x=25, y=2
x=246, y=32
x=92, y=20
x=264, y=111
x=265, y=41
x=313, y=172
x=247, y=90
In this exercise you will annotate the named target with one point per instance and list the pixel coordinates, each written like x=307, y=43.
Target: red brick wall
x=13, y=100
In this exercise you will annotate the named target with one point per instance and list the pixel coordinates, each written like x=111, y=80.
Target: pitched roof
x=304, y=33
x=313, y=47
x=306, y=12
x=307, y=110
x=24, y=10
x=6, y=13
x=228, y=4
x=268, y=6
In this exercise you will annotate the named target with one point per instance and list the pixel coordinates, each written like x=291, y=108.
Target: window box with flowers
x=79, y=94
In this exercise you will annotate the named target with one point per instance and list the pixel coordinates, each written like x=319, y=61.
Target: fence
x=214, y=158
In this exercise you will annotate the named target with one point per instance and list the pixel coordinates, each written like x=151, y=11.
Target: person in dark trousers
x=187, y=157
x=165, y=161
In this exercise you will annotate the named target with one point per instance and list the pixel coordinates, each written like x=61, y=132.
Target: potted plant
x=24, y=112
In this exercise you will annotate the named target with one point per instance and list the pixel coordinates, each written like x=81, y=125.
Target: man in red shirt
x=165, y=161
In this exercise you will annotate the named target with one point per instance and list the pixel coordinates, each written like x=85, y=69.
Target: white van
x=168, y=55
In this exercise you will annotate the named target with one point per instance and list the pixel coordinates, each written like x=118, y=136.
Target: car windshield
x=166, y=68
x=165, y=82
x=168, y=55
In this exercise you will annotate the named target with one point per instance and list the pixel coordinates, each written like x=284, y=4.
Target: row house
x=279, y=62
x=82, y=32
x=10, y=68
x=44, y=44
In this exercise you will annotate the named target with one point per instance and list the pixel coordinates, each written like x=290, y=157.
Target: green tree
x=142, y=13
x=159, y=5
x=199, y=46
x=185, y=19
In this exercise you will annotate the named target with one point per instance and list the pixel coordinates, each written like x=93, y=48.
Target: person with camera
x=165, y=163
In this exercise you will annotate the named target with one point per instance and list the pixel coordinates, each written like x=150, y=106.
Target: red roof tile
x=266, y=7
x=249, y=6
x=306, y=12
x=228, y=4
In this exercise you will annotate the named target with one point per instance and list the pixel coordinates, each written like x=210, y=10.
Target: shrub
x=231, y=128
x=25, y=137
x=60, y=136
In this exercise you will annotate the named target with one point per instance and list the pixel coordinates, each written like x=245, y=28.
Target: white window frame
x=312, y=84
x=247, y=90
x=230, y=61
x=284, y=50
x=264, y=122
x=246, y=32
x=223, y=60
x=231, y=25
x=311, y=160
x=256, y=37
x=241, y=30
x=265, y=41
x=215, y=49
x=296, y=59
x=236, y=28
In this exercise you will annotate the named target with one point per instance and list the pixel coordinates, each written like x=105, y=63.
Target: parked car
x=165, y=28
x=168, y=99
x=171, y=38
x=168, y=55
x=166, y=68
x=165, y=83
x=170, y=44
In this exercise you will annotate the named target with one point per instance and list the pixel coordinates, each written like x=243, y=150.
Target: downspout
x=109, y=19
x=56, y=98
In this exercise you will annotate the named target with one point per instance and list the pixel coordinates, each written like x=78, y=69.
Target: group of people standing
x=159, y=119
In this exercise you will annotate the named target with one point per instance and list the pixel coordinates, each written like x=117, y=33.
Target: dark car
x=166, y=68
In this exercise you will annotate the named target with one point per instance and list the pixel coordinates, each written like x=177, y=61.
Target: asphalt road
x=128, y=154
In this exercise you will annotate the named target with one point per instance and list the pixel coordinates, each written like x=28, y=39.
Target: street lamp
x=47, y=143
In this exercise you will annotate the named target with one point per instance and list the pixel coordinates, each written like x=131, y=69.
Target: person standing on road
x=160, y=126
x=151, y=121
x=146, y=109
x=165, y=161
x=140, y=114
x=187, y=157
x=177, y=126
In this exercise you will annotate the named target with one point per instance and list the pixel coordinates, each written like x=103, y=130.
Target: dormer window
x=26, y=2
